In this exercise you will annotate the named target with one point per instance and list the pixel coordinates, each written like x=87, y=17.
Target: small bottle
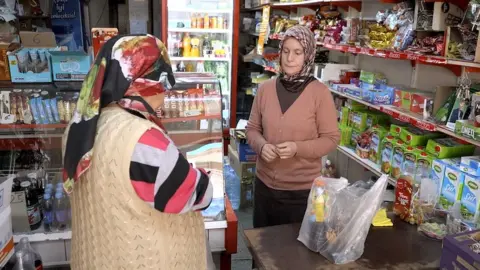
x=33, y=207
x=47, y=212
x=200, y=23
x=213, y=22
x=206, y=21
x=193, y=21
x=225, y=24
x=220, y=22
x=181, y=67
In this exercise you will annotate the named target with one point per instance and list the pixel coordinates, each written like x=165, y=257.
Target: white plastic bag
x=338, y=217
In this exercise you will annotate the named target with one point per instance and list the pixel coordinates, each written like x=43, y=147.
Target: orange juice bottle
x=199, y=21
x=206, y=22
x=193, y=20
x=195, y=52
x=187, y=45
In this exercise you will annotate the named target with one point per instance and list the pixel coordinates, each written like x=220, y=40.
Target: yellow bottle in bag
x=319, y=203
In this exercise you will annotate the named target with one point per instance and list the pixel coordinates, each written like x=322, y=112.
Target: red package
x=418, y=102
x=100, y=36
x=403, y=198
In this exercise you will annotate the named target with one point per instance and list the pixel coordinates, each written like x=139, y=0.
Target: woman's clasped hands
x=284, y=150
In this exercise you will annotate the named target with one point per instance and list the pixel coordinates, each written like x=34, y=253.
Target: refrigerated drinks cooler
x=198, y=35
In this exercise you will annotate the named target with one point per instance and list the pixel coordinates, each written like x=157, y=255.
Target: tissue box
x=457, y=251
x=70, y=66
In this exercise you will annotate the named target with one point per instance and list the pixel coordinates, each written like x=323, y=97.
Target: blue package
x=354, y=91
x=34, y=110
x=48, y=110
x=53, y=105
x=41, y=111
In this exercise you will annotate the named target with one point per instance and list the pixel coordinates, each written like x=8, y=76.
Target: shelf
x=41, y=236
x=192, y=118
x=194, y=10
x=410, y=118
x=174, y=58
x=367, y=164
x=32, y=126
x=199, y=30
x=357, y=4
x=388, y=54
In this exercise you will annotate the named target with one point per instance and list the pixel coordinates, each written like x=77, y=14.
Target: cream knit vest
x=112, y=228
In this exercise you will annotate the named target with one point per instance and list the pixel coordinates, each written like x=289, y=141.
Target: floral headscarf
x=298, y=82
x=126, y=69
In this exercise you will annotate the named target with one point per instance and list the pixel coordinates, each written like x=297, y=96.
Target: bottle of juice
x=193, y=20
x=220, y=22
x=206, y=21
x=195, y=52
x=187, y=45
x=200, y=21
x=213, y=22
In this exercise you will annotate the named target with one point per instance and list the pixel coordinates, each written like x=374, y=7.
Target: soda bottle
x=29, y=255
x=47, y=212
x=23, y=261
x=33, y=207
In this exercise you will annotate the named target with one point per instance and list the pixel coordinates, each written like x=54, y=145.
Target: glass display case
x=192, y=117
x=199, y=38
x=32, y=124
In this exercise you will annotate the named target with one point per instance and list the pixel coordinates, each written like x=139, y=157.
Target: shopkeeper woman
x=135, y=198
x=293, y=124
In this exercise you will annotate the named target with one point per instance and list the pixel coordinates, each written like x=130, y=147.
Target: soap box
x=70, y=66
x=457, y=251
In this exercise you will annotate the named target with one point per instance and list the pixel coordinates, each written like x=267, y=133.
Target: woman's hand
x=287, y=150
x=269, y=153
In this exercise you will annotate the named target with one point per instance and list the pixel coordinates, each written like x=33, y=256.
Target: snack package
x=378, y=134
x=339, y=216
x=387, y=154
x=397, y=158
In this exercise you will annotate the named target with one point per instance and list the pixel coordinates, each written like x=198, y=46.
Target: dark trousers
x=277, y=207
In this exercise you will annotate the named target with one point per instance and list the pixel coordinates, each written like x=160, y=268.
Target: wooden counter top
x=399, y=247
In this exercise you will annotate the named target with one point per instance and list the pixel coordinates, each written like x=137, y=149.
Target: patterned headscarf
x=298, y=82
x=126, y=69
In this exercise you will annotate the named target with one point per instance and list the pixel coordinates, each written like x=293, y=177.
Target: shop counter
x=397, y=247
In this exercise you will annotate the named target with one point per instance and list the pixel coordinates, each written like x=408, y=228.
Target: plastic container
x=29, y=257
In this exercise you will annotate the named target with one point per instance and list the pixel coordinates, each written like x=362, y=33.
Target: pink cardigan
x=311, y=122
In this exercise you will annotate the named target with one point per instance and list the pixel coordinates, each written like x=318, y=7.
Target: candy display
x=40, y=107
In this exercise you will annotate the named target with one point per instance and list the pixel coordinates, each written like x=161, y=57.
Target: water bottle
x=232, y=186
x=60, y=210
x=48, y=212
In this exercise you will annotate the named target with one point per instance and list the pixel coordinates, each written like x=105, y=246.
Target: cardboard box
x=70, y=66
x=449, y=148
x=38, y=44
x=457, y=251
x=7, y=44
x=245, y=152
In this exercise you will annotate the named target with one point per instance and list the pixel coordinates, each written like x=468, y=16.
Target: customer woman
x=293, y=124
x=135, y=198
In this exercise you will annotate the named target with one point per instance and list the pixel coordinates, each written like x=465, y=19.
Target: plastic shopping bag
x=338, y=217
